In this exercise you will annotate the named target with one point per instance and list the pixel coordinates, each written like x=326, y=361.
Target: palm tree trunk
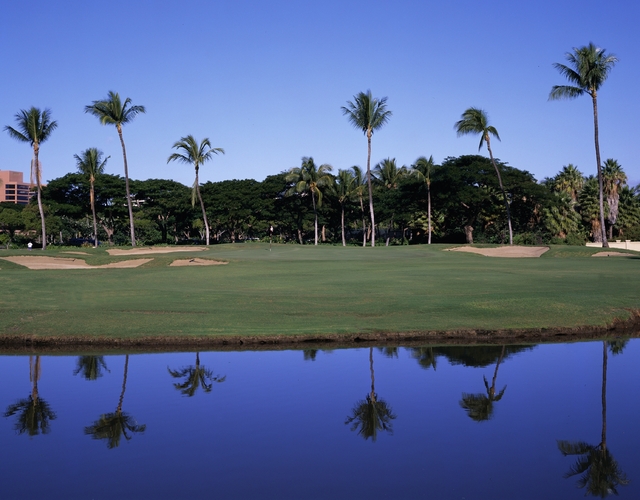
x=204, y=212
x=36, y=150
x=344, y=241
x=504, y=195
x=603, y=442
x=126, y=184
x=315, y=213
x=95, y=220
x=373, y=389
x=373, y=223
x=605, y=243
x=124, y=384
x=364, y=223
x=429, y=210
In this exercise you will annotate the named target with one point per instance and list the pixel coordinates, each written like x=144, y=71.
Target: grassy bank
x=318, y=290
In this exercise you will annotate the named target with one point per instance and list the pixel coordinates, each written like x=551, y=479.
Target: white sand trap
x=514, y=251
x=39, y=262
x=152, y=250
x=612, y=254
x=197, y=262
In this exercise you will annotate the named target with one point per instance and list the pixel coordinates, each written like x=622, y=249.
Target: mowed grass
x=318, y=290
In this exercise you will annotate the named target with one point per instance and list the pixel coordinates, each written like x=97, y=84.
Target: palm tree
x=371, y=414
x=368, y=114
x=195, y=154
x=599, y=471
x=35, y=127
x=112, y=426
x=195, y=377
x=34, y=413
x=387, y=174
x=476, y=121
x=589, y=207
x=421, y=169
x=91, y=164
x=569, y=180
x=313, y=179
x=359, y=192
x=588, y=68
x=112, y=111
x=613, y=179
x=344, y=189
x=479, y=407
x=90, y=366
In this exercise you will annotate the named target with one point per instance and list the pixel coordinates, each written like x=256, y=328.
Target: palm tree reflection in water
x=599, y=472
x=372, y=414
x=195, y=377
x=479, y=407
x=90, y=366
x=112, y=426
x=34, y=413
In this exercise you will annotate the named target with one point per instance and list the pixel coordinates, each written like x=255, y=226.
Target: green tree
x=90, y=164
x=569, y=180
x=368, y=114
x=195, y=154
x=344, y=189
x=421, y=169
x=112, y=426
x=613, y=179
x=309, y=178
x=195, y=376
x=112, y=111
x=588, y=68
x=475, y=121
x=371, y=414
x=387, y=175
x=35, y=127
x=34, y=413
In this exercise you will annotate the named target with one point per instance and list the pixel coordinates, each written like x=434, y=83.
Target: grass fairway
x=317, y=290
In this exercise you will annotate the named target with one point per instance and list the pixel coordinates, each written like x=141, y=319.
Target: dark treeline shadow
x=195, y=377
x=33, y=413
x=599, y=471
x=371, y=414
x=112, y=426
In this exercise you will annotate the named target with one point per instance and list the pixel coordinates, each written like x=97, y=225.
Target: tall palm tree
x=35, y=127
x=476, y=121
x=195, y=376
x=34, y=413
x=368, y=114
x=587, y=70
x=421, y=169
x=613, y=179
x=479, y=407
x=112, y=111
x=112, y=426
x=195, y=154
x=599, y=471
x=91, y=164
x=312, y=179
x=388, y=175
x=371, y=414
x=344, y=189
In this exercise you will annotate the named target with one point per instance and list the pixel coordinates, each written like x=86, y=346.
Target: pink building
x=13, y=188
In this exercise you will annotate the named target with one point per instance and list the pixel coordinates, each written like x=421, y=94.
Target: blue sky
x=266, y=80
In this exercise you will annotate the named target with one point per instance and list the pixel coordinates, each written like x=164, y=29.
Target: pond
x=521, y=421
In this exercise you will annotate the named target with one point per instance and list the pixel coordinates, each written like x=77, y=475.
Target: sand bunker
x=197, y=262
x=612, y=254
x=152, y=250
x=506, y=251
x=37, y=262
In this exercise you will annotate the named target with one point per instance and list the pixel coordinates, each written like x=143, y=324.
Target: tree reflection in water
x=112, y=426
x=33, y=413
x=195, y=377
x=479, y=407
x=599, y=472
x=90, y=366
x=372, y=414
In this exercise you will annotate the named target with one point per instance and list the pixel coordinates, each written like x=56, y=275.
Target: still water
x=496, y=422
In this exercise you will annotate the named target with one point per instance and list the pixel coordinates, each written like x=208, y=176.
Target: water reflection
x=112, y=426
x=33, y=413
x=479, y=407
x=195, y=376
x=371, y=414
x=599, y=472
x=91, y=367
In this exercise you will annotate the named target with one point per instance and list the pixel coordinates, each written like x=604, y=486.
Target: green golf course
x=315, y=292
